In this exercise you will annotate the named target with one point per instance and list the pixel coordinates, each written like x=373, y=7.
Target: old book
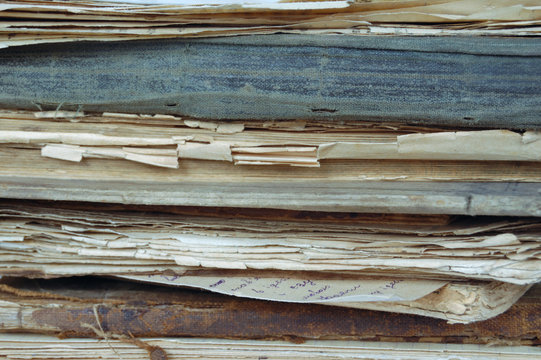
x=82, y=307
x=161, y=140
x=351, y=166
x=443, y=81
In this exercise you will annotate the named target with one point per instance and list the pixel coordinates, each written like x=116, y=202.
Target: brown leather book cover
x=76, y=307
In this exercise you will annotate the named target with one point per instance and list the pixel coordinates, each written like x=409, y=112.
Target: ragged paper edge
x=213, y=249
x=483, y=145
x=457, y=303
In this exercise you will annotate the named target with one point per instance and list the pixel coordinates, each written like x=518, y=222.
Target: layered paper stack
x=360, y=174
x=32, y=22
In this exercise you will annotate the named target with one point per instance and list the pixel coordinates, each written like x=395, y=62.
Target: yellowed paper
x=472, y=145
x=38, y=21
x=213, y=151
x=63, y=152
x=305, y=290
x=483, y=145
x=30, y=137
x=229, y=128
x=155, y=157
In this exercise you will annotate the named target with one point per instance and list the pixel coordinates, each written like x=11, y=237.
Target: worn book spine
x=147, y=311
x=450, y=81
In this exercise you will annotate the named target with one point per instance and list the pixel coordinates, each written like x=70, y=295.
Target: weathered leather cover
x=64, y=306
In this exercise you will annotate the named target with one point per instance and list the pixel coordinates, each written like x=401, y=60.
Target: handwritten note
x=304, y=290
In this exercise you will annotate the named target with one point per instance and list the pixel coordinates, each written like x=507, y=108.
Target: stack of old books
x=347, y=179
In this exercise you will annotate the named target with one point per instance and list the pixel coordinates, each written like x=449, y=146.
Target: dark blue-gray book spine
x=451, y=81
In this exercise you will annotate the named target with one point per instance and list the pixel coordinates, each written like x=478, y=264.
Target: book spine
x=251, y=319
x=450, y=81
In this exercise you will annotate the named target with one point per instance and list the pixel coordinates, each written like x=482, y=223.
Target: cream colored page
x=484, y=145
x=304, y=290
